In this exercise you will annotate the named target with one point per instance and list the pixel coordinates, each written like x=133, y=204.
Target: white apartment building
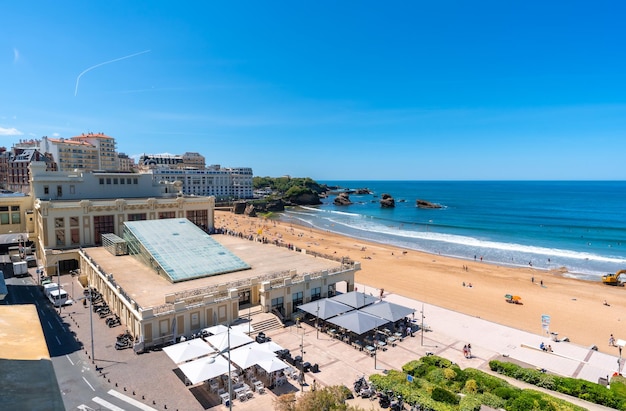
x=221, y=183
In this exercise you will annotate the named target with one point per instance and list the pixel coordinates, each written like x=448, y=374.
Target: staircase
x=267, y=324
x=261, y=322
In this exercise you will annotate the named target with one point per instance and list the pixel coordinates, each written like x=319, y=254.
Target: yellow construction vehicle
x=613, y=279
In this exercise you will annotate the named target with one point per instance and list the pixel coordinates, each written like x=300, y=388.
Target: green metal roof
x=179, y=249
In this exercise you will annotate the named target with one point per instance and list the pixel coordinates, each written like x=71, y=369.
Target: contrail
x=102, y=64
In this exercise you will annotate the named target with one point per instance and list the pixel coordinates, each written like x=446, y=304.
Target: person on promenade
x=465, y=351
x=611, y=341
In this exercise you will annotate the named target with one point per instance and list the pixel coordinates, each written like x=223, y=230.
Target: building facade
x=222, y=183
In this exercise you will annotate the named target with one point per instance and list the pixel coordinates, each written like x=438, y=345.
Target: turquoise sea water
x=579, y=225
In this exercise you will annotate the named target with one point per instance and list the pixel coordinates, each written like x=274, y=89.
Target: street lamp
x=422, y=312
x=230, y=378
x=317, y=320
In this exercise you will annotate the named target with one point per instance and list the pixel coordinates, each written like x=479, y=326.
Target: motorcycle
x=104, y=313
x=123, y=344
x=113, y=321
x=383, y=400
x=397, y=404
x=126, y=335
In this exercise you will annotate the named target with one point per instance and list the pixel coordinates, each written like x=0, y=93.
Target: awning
x=327, y=308
x=204, y=368
x=221, y=341
x=272, y=364
x=188, y=350
x=388, y=311
x=249, y=355
x=358, y=322
x=355, y=299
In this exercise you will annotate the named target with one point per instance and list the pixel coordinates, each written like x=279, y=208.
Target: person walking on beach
x=611, y=341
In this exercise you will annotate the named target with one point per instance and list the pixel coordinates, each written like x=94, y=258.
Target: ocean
x=578, y=225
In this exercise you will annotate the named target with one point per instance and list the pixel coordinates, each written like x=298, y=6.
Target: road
x=81, y=385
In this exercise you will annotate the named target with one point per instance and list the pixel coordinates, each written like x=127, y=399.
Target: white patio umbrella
x=188, y=350
x=272, y=364
x=204, y=369
x=244, y=328
x=220, y=341
x=270, y=346
x=216, y=329
x=249, y=355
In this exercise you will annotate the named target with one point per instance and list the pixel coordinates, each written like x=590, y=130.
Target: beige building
x=85, y=221
x=157, y=310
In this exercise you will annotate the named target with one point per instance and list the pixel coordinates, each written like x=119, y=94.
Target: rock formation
x=250, y=211
x=426, y=204
x=387, y=201
x=342, y=199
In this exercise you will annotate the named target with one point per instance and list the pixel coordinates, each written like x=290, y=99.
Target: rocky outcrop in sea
x=342, y=199
x=387, y=201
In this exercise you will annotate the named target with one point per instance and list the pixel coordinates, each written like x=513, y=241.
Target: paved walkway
x=154, y=379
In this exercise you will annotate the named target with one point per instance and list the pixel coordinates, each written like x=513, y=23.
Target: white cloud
x=55, y=134
x=16, y=55
x=10, y=132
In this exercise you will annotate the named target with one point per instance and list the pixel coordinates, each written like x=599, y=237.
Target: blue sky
x=406, y=90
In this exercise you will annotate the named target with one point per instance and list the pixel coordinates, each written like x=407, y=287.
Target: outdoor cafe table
x=393, y=341
x=370, y=349
x=358, y=344
x=381, y=344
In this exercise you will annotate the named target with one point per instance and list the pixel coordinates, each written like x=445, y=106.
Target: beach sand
x=576, y=307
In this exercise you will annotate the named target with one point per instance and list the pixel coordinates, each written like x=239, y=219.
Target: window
x=167, y=214
x=59, y=222
x=137, y=217
x=115, y=181
x=72, y=189
x=278, y=305
x=74, y=221
x=316, y=293
x=103, y=224
x=59, y=191
x=108, y=181
x=60, y=237
x=46, y=190
x=122, y=180
x=101, y=181
x=199, y=218
x=75, y=236
x=297, y=299
x=135, y=181
x=4, y=215
x=128, y=181
x=15, y=215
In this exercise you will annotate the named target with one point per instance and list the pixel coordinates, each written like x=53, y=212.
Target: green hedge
x=442, y=386
x=588, y=391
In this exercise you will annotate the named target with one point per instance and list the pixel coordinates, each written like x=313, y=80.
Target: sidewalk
x=153, y=378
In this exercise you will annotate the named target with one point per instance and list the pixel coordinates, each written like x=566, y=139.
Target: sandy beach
x=577, y=308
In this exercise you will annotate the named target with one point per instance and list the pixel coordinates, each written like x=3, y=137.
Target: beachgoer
x=542, y=346
x=463, y=283
x=607, y=304
x=549, y=348
x=541, y=282
x=469, y=350
x=465, y=351
x=532, y=279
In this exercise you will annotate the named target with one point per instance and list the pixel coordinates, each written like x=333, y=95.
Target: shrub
x=442, y=395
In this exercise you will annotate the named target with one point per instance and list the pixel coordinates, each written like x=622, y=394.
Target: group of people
x=547, y=348
x=467, y=350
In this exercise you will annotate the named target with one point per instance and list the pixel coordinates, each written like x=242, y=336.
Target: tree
x=324, y=399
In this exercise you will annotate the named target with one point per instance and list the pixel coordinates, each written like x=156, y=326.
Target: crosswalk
x=123, y=403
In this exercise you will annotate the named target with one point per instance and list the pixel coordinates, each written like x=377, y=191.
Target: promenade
x=153, y=379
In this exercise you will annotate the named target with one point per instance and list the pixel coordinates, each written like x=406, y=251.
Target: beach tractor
x=613, y=279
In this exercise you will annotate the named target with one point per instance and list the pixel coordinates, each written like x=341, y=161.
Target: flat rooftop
x=148, y=289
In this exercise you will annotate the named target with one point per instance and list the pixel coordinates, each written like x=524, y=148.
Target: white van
x=58, y=297
x=49, y=287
